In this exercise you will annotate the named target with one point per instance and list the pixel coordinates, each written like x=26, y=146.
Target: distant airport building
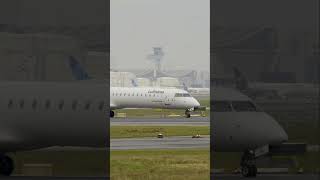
x=172, y=78
x=143, y=82
x=122, y=79
x=190, y=78
x=168, y=82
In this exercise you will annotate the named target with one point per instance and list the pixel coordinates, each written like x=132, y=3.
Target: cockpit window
x=182, y=95
x=243, y=106
x=221, y=106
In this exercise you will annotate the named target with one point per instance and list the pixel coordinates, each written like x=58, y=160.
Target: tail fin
x=240, y=80
x=134, y=83
x=77, y=71
x=185, y=87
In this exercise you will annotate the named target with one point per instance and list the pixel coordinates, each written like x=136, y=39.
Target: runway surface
x=174, y=121
x=160, y=143
x=216, y=177
x=267, y=177
x=71, y=148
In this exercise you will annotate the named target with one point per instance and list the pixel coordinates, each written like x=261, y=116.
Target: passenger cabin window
x=221, y=106
x=60, y=105
x=74, y=105
x=10, y=104
x=47, y=104
x=243, y=106
x=87, y=106
x=101, y=104
x=21, y=103
x=34, y=104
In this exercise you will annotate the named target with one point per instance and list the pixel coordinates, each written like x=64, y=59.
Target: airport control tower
x=156, y=57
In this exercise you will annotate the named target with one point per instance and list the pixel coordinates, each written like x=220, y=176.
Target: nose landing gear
x=248, y=164
x=6, y=165
x=112, y=114
x=187, y=113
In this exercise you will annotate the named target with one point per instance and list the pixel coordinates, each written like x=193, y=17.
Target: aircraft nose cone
x=196, y=103
x=278, y=135
x=283, y=136
x=271, y=131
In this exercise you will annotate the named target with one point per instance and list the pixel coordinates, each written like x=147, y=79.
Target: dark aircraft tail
x=240, y=80
x=134, y=83
x=77, y=71
x=185, y=87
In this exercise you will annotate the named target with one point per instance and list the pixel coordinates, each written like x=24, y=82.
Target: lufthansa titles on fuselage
x=156, y=91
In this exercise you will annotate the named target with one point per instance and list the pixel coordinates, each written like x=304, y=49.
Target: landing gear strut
x=187, y=113
x=112, y=114
x=248, y=164
x=6, y=165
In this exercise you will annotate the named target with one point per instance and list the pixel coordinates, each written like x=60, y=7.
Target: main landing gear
x=6, y=165
x=248, y=164
x=112, y=114
x=187, y=113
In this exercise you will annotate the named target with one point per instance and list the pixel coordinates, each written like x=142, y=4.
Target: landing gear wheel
x=248, y=165
x=187, y=113
x=254, y=171
x=112, y=114
x=245, y=171
x=249, y=171
x=6, y=165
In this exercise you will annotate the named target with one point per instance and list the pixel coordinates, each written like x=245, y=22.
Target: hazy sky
x=180, y=27
x=53, y=12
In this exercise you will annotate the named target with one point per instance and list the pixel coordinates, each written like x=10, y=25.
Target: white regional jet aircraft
x=151, y=97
